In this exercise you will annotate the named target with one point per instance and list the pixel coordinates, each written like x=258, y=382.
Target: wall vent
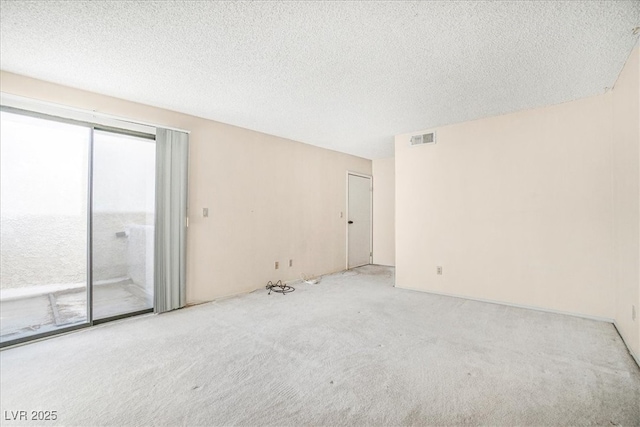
x=427, y=138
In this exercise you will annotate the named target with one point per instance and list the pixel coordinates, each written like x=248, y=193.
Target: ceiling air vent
x=427, y=138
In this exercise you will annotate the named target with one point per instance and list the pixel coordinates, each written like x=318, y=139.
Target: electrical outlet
x=277, y=265
x=439, y=270
x=633, y=313
x=205, y=212
x=290, y=263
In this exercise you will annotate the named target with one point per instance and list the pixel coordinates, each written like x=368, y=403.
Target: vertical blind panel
x=172, y=151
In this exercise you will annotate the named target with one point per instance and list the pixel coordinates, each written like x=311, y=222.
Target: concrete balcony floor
x=39, y=312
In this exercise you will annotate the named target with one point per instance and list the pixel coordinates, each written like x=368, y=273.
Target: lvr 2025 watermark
x=30, y=415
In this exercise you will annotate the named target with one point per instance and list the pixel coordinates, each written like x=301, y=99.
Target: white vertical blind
x=171, y=214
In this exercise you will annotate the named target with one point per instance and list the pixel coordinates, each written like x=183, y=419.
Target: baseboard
x=510, y=304
x=248, y=291
x=530, y=307
x=220, y=298
x=631, y=352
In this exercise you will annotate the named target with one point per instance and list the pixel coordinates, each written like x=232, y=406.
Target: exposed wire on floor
x=310, y=281
x=279, y=287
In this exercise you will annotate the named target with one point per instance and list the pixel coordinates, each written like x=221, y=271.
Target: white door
x=359, y=221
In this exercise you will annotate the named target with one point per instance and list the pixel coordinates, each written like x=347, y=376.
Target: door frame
x=346, y=219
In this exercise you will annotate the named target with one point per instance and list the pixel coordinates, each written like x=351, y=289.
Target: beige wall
x=626, y=197
x=384, y=244
x=515, y=208
x=270, y=199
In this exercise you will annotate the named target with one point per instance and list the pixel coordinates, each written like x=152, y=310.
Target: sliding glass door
x=123, y=223
x=43, y=225
x=76, y=225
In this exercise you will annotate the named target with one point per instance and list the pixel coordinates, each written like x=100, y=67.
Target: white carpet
x=351, y=350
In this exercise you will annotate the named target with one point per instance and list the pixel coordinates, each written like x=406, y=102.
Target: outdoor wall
x=270, y=199
x=43, y=221
x=42, y=250
x=626, y=198
x=52, y=249
x=113, y=255
x=515, y=208
x=384, y=244
x=140, y=251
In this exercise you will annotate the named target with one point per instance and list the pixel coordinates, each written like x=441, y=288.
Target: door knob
x=350, y=222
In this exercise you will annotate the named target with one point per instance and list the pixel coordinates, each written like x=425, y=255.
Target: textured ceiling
x=342, y=75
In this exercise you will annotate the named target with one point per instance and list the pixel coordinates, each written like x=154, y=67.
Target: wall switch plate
x=277, y=265
x=290, y=263
x=439, y=270
x=205, y=212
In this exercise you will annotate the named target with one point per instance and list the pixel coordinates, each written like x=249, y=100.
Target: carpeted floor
x=351, y=350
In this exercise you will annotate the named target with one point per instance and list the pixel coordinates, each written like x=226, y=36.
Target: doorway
x=359, y=221
x=77, y=219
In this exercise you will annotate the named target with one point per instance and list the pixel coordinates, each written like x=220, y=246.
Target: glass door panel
x=123, y=217
x=43, y=225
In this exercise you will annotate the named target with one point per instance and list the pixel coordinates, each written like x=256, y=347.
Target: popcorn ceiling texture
x=341, y=75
